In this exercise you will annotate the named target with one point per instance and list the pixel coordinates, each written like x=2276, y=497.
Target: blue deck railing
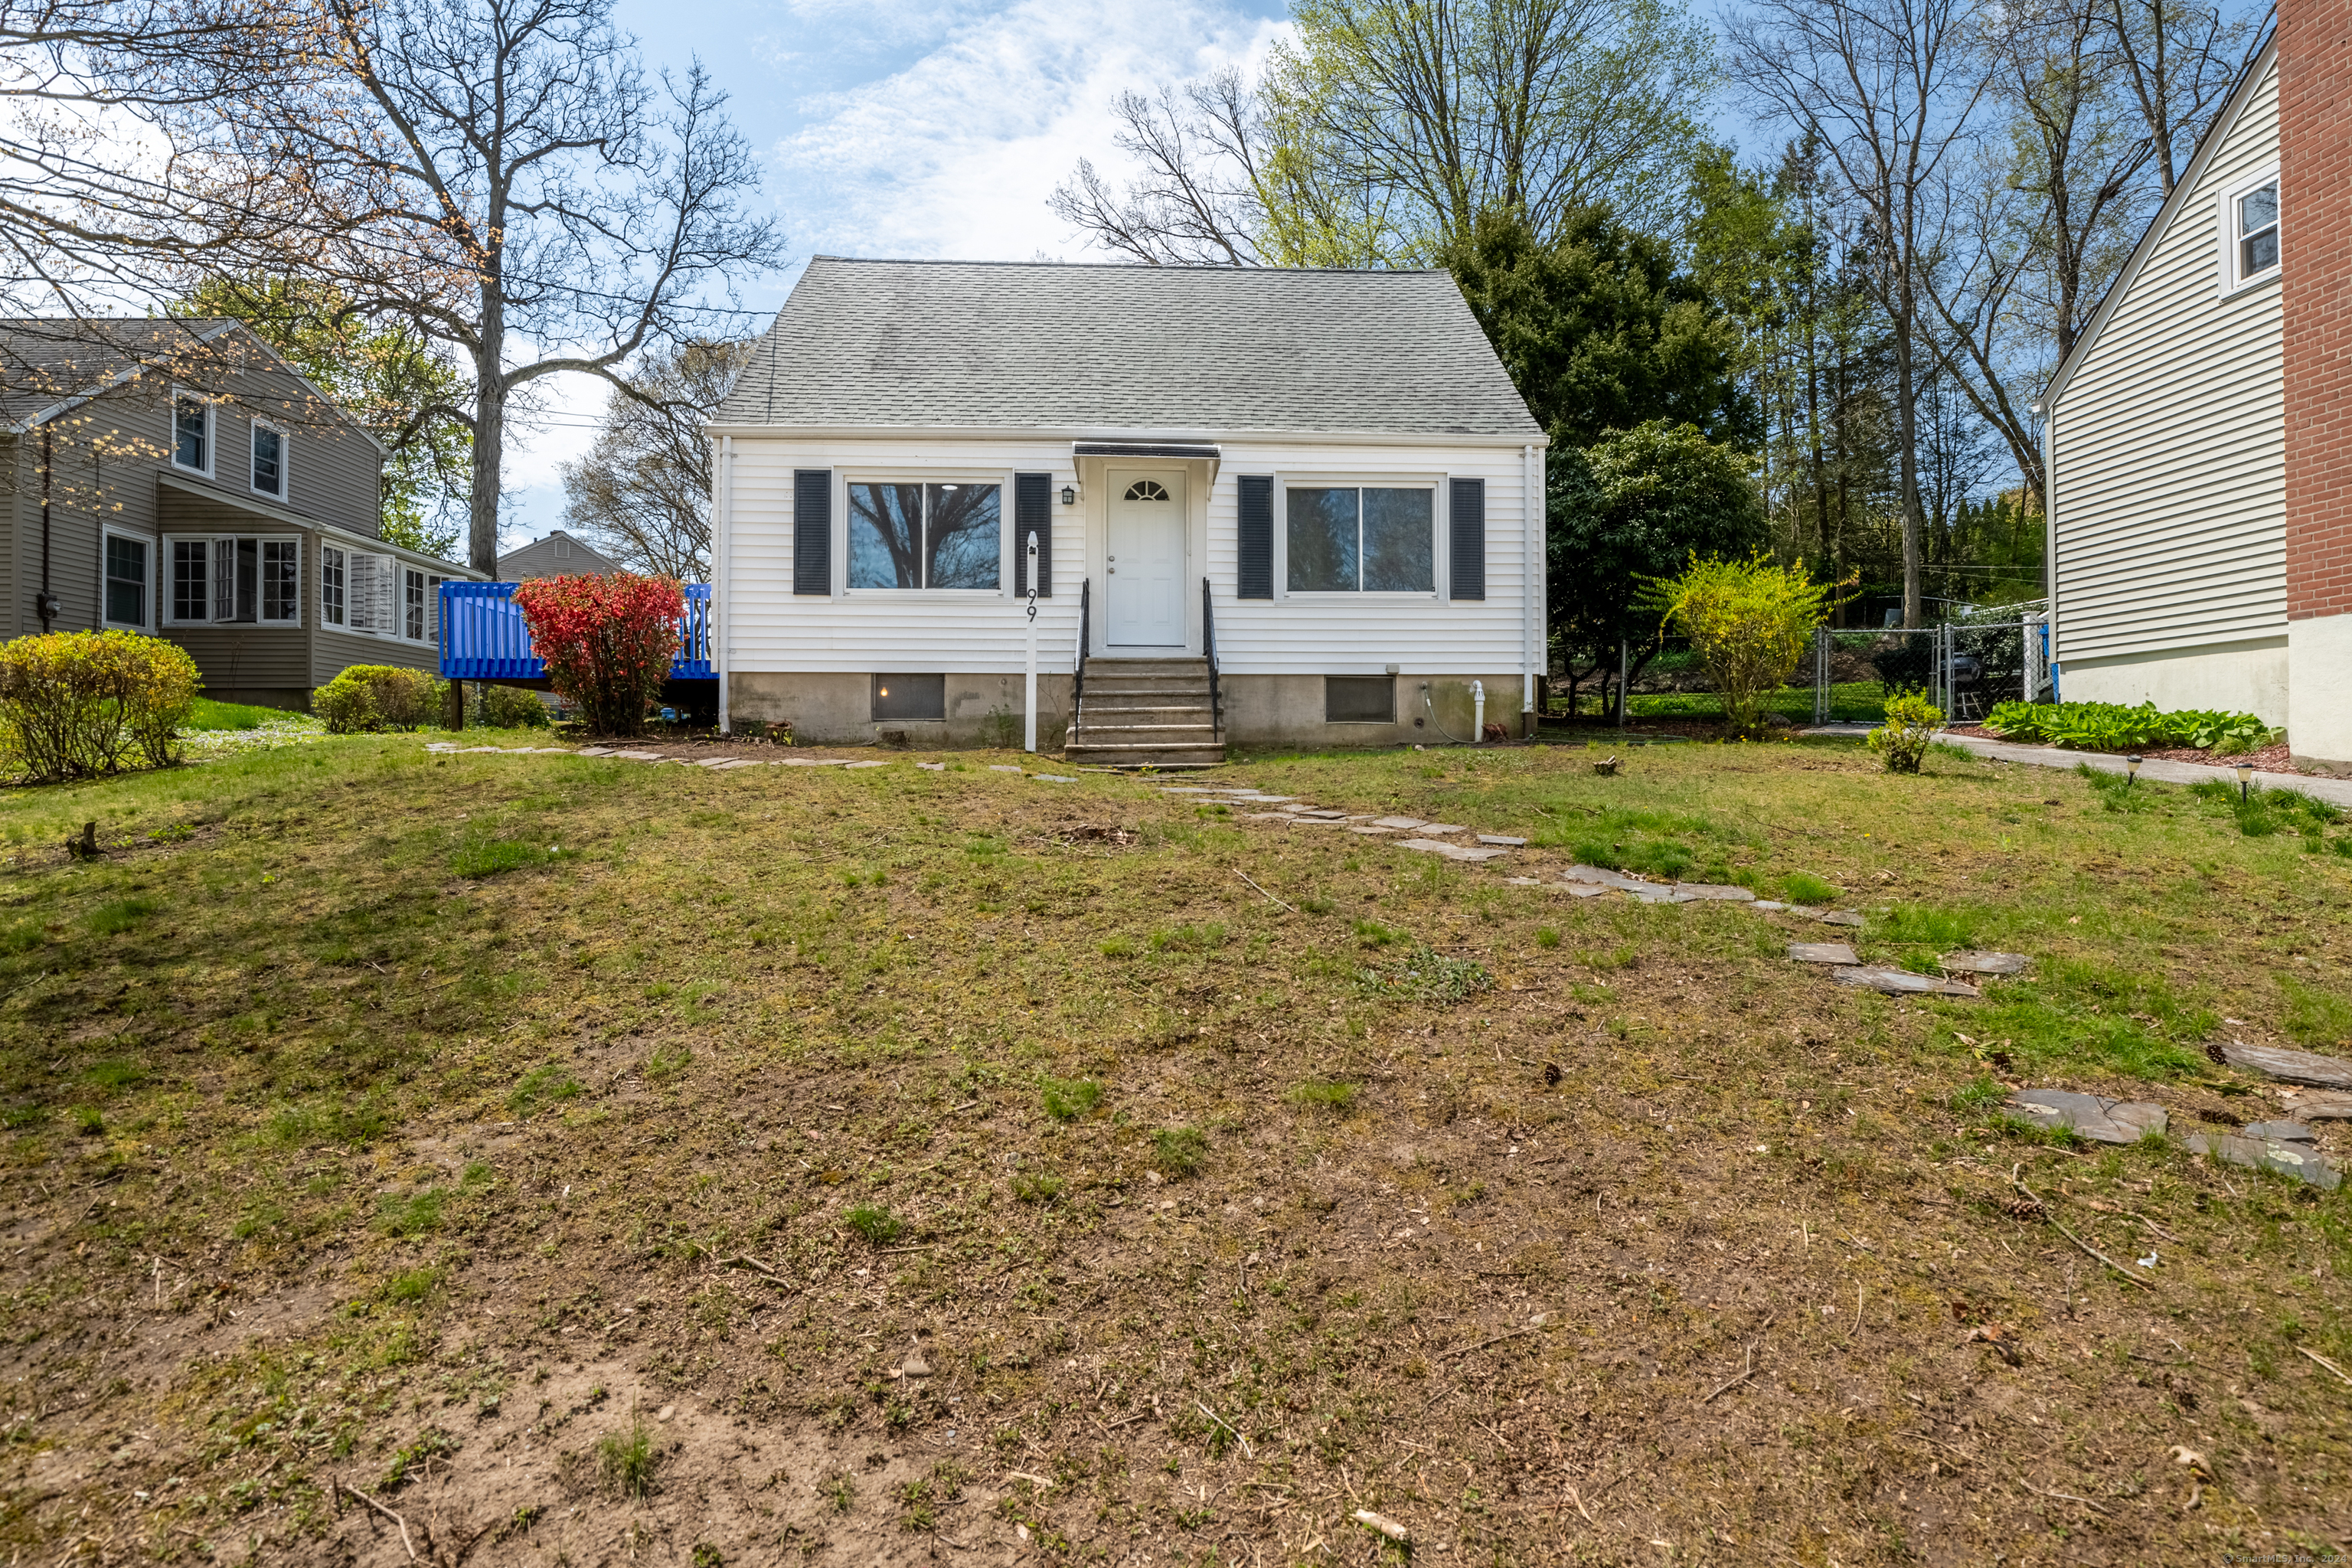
x=483, y=636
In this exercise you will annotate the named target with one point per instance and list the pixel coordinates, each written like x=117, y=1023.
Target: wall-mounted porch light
x=1069, y=495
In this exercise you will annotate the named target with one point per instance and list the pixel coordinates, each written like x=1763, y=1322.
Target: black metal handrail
x=1086, y=632
x=1209, y=647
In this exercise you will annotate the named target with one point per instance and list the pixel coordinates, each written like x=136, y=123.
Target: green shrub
x=1911, y=724
x=2112, y=727
x=80, y=705
x=1748, y=622
x=508, y=708
x=366, y=698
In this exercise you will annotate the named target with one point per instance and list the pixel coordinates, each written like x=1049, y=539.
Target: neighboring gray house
x=557, y=555
x=177, y=477
x=1316, y=490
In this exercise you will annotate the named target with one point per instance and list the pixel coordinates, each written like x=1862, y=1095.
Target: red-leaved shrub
x=607, y=642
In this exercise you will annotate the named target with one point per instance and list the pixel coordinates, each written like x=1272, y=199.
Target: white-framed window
x=2250, y=231
x=234, y=580
x=191, y=432
x=1342, y=536
x=130, y=588
x=930, y=535
x=333, y=585
x=270, y=455
x=413, y=601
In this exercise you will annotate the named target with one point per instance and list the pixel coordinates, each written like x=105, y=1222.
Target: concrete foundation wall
x=836, y=710
x=2319, y=691
x=2243, y=678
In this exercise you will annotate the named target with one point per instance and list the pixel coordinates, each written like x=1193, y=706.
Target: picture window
x=925, y=536
x=1367, y=538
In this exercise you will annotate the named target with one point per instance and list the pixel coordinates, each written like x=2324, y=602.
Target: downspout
x=723, y=503
x=1531, y=530
x=44, y=603
x=2050, y=537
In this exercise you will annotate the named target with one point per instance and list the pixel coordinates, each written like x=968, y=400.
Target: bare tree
x=502, y=176
x=1392, y=124
x=2181, y=59
x=1887, y=87
x=642, y=492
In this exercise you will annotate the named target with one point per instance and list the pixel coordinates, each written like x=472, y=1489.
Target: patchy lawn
x=588, y=1162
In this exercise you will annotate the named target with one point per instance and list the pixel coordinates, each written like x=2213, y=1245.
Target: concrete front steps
x=1146, y=711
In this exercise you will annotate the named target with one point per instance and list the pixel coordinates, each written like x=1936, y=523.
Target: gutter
x=1158, y=437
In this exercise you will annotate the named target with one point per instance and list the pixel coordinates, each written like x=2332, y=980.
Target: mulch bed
x=2266, y=759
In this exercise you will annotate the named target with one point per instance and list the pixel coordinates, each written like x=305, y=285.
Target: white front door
x=1145, y=568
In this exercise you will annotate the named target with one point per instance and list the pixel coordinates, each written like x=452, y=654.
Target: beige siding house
x=557, y=555
x=177, y=477
x=2166, y=445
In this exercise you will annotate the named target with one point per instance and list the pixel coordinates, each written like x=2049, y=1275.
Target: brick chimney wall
x=2316, y=256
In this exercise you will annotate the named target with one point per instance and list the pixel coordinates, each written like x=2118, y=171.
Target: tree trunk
x=489, y=434
x=1907, y=441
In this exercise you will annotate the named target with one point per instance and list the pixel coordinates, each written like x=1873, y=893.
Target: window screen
x=1359, y=700
x=910, y=697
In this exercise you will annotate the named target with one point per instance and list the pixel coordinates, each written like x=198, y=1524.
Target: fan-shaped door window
x=1147, y=489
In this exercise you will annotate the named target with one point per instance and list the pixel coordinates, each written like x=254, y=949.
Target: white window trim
x=845, y=478
x=1360, y=480
x=146, y=542
x=212, y=571
x=211, y=430
x=399, y=604
x=285, y=465
x=345, y=624
x=2226, y=222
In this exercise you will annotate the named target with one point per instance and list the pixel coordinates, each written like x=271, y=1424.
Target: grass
x=369, y=1156
x=209, y=715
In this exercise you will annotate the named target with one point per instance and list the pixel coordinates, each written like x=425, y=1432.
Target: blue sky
x=915, y=128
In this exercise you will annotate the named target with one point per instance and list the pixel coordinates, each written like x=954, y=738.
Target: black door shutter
x=1254, y=568
x=1032, y=511
x=812, y=530
x=1466, y=508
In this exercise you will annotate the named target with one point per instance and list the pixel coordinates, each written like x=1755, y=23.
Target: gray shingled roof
x=1075, y=349
x=47, y=360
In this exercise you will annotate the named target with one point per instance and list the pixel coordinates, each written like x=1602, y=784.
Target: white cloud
x=955, y=154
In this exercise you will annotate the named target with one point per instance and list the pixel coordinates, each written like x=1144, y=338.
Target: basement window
x=1359, y=700
x=905, y=697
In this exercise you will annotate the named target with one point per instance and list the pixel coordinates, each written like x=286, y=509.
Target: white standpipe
x=1478, y=712
x=1029, y=701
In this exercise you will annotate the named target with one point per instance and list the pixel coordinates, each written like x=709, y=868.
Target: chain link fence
x=1965, y=665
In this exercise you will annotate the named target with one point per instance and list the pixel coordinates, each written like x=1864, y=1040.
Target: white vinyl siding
x=2168, y=473
x=769, y=629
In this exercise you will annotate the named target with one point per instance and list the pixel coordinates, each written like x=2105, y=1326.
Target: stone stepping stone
x=2092, y=1116
x=1525, y=881
x=2290, y=1066
x=1769, y=906
x=2269, y=1154
x=1400, y=824
x=1451, y=851
x=1822, y=952
x=1601, y=875
x=733, y=762
x=1439, y=829
x=1503, y=839
x=1334, y=820
x=1842, y=917
x=1369, y=830
x=2285, y=1132
x=2308, y=1105
x=1166, y=789
x=585, y=751
x=813, y=762
x=1716, y=892
x=1326, y=812
x=716, y=763
x=1009, y=768
x=848, y=765
x=1586, y=891
x=642, y=756
x=1902, y=981
x=932, y=767
x=1986, y=963
x=1055, y=778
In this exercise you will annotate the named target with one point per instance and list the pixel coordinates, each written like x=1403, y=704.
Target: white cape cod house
x=1270, y=507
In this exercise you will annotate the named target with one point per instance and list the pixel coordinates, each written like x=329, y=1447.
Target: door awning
x=1145, y=449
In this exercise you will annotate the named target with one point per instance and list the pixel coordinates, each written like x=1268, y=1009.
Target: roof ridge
x=1135, y=267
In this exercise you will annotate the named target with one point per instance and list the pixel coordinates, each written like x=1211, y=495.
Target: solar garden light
x=2131, y=771
x=2245, y=781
